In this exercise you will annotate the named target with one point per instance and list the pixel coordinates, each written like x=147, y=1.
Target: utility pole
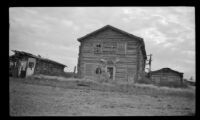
x=150, y=59
x=149, y=62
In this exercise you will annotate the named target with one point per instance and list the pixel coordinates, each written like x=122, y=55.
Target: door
x=23, y=66
x=31, y=66
x=110, y=71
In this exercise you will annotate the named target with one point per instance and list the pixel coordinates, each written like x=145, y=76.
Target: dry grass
x=137, y=89
x=60, y=78
x=49, y=97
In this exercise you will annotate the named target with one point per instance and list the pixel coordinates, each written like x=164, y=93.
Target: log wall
x=163, y=77
x=43, y=67
x=113, y=46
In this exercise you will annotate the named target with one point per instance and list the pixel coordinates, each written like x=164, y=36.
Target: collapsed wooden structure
x=23, y=64
x=111, y=54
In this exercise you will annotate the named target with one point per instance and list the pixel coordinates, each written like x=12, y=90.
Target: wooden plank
x=113, y=47
x=131, y=45
x=89, y=69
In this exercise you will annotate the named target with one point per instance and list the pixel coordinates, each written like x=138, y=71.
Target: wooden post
x=74, y=71
x=149, y=64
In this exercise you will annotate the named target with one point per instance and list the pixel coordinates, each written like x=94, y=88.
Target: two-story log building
x=112, y=54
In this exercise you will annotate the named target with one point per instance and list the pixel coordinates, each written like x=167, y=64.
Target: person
x=98, y=70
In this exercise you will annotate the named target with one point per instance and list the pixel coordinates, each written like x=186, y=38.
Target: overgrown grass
x=145, y=80
x=137, y=89
x=164, y=90
x=173, y=84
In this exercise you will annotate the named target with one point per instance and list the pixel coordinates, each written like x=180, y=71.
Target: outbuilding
x=23, y=64
x=166, y=76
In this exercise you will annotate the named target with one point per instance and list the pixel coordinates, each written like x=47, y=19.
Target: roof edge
x=168, y=69
x=40, y=58
x=108, y=26
x=121, y=31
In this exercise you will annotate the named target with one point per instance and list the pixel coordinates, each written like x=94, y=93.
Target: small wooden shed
x=166, y=75
x=111, y=54
x=23, y=64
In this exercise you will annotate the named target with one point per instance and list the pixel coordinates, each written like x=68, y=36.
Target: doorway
x=31, y=66
x=22, y=69
x=110, y=71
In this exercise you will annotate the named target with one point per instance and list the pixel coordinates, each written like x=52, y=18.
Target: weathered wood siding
x=43, y=67
x=141, y=64
x=166, y=77
x=114, y=46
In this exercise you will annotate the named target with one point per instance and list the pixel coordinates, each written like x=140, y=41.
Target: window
x=97, y=48
x=109, y=47
x=121, y=48
x=30, y=64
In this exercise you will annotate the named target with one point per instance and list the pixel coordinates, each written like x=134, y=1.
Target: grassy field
x=72, y=97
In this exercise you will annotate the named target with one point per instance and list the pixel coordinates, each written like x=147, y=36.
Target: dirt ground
x=37, y=100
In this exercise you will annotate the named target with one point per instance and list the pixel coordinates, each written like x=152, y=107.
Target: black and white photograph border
x=102, y=61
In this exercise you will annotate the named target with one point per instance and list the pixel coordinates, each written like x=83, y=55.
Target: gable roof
x=166, y=70
x=108, y=27
x=34, y=56
x=120, y=31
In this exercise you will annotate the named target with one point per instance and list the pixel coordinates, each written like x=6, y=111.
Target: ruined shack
x=23, y=64
x=111, y=54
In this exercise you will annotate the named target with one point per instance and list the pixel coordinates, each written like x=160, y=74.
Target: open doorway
x=110, y=71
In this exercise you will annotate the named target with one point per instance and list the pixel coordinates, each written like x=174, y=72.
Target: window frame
x=95, y=48
x=125, y=47
x=110, y=47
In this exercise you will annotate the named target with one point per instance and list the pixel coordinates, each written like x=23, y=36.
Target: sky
x=52, y=32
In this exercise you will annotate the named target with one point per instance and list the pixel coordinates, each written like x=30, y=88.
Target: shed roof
x=120, y=31
x=34, y=56
x=166, y=70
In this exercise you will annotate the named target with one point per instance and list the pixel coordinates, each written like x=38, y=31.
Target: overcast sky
x=168, y=32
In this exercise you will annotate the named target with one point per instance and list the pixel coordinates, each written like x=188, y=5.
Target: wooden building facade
x=111, y=54
x=23, y=64
x=166, y=76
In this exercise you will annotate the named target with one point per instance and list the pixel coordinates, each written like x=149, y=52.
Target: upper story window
x=121, y=48
x=109, y=47
x=97, y=48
